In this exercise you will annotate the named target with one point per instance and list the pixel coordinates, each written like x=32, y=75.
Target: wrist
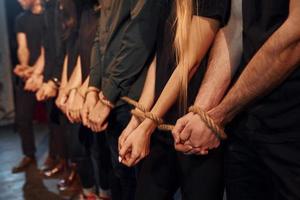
x=219, y=116
x=149, y=125
x=105, y=101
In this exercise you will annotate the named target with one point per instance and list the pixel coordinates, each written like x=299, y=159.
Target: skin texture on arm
x=75, y=108
x=273, y=62
x=223, y=62
x=23, y=56
x=270, y=66
x=35, y=80
x=75, y=81
x=146, y=99
x=63, y=94
x=137, y=144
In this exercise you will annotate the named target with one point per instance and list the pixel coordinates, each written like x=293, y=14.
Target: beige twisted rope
x=209, y=122
x=144, y=113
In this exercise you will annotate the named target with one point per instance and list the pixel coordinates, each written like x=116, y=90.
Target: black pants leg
x=25, y=104
x=124, y=181
x=164, y=171
x=80, y=142
x=260, y=170
x=101, y=156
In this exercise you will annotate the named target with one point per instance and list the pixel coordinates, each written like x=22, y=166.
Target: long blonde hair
x=184, y=14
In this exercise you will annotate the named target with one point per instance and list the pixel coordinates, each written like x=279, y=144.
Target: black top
x=87, y=32
x=66, y=38
x=127, y=34
x=49, y=38
x=32, y=26
x=278, y=113
x=166, y=62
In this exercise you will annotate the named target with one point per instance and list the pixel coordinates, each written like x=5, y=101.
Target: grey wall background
x=6, y=88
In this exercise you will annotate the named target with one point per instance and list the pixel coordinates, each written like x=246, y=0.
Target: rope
x=143, y=113
x=209, y=122
x=163, y=127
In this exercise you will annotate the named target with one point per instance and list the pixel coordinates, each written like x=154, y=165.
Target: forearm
x=147, y=96
x=40, y=63
x=197, y=49
x=224, y=59
x=76, y=77
x=270, y=66
x=23, y=56
x=64, y=78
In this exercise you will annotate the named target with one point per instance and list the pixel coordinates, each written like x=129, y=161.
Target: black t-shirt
x=166, y=62
x=32, y=26
x=278, y=112
x=49, y=38
x=87, y=33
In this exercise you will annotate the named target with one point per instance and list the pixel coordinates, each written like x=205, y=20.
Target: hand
x=61, y=99
x=137, y=145
x=75, y=108
x=89, y=104
x=19, y=70
x=27, y=73
x=98, y=117
x=48, y=90
x=34, y=83
x=132, y=125
x=191, y=132
x=70, y=102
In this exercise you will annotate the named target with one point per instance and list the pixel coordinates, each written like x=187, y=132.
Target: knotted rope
x=143, y=113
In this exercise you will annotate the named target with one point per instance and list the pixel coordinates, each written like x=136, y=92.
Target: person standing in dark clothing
x=56, y=160
x=29, y=29
x=126, y=40
x=262, y=108
x=164, y=171
x=89, y=146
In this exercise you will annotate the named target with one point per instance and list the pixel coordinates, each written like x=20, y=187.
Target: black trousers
x=164, y=171
x=260, y=170
x=57, y=140
x=124, y=178
x=90, y=153
x=25, y=103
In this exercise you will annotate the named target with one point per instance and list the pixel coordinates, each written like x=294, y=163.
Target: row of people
x=234, y=64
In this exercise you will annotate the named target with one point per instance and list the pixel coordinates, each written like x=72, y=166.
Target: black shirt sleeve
x=216, y=9
x=19, y=25
x=95, y=69
x=136, y=46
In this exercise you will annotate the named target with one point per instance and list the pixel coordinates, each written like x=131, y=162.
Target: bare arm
x=23, y=52
x=200, y=28
x=270, y=66
x=223, y=61
x=76, y=77
x=40, y=63
x=64, y=78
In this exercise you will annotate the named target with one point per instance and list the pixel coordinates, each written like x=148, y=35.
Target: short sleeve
x=19, y=25
x=216, y=9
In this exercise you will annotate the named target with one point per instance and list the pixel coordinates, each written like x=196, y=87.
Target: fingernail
x=120, y=159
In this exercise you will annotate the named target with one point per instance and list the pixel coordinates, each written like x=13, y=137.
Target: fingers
x=185, y=134
x=183, y=148
x=126, y=148
x=180, y=125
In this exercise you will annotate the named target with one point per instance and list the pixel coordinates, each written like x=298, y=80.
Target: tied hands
x=47, y=90
x=24, y=72
x=192, y=136
x=96, y=112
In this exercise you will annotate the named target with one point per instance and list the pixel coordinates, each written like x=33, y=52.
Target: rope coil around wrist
x=143, y=113
x=219, y=132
